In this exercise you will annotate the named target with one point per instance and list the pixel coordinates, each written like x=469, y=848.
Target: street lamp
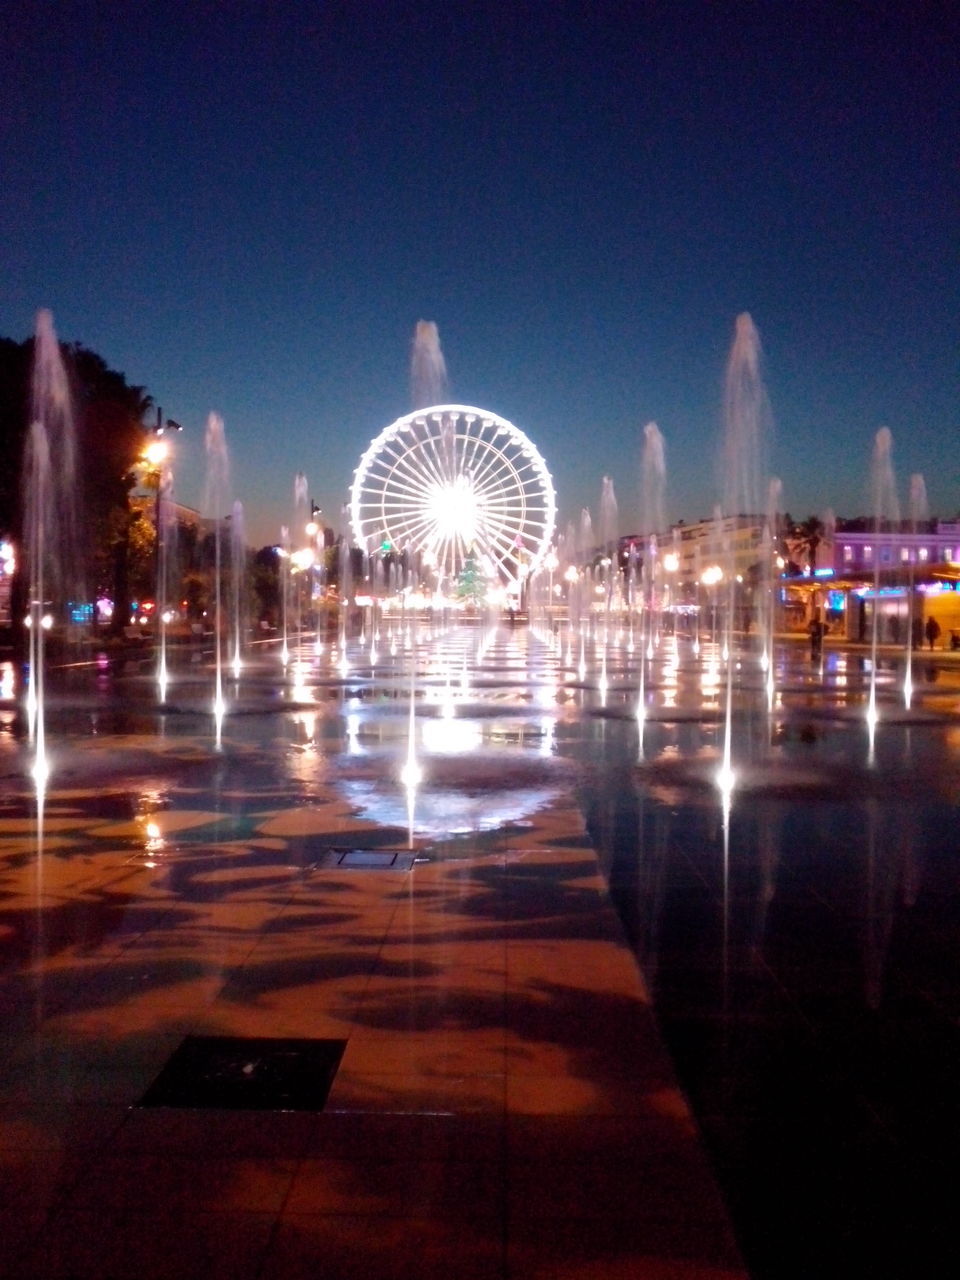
x=165, y=424
x=155, y=454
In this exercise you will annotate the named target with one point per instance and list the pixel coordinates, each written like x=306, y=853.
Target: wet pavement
x=585, y=1016
x=501, y=1102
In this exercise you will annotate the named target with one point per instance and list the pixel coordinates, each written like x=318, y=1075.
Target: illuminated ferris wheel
x=451, y=483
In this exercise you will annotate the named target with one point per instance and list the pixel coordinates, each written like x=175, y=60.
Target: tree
x=265, y=574
x=15, y=361
x=109, y=415
x=803, y=541
x=471, y=583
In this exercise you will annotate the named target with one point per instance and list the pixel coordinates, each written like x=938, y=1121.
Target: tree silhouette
x=109, y=415
x=804, y=539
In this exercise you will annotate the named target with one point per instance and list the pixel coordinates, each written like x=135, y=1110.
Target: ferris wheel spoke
x=500, y=535
x=434, y=456
x=417, y=467
x=493, y=459
x=397, y=457
x=416, y=531
x=502, y=514
x=392, y=455
x=407, y=488
x=510, y=474
x=414, y=482
x=431, y=462
x=472, y=449
x=501, y=487
x=491, y=482
x=410, y=517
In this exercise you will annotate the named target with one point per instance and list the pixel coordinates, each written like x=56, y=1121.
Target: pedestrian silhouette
x=816, y=630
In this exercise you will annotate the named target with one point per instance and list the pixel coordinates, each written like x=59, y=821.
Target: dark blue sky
x=247, y=207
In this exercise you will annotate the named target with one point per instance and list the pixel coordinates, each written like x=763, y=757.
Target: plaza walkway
x=503, y=1107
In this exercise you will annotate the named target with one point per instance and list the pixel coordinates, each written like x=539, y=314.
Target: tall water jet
x=346, y=592
x=51, y=522
x=284, y=592
x=746, y=413
x=609, y=534
x=653, y=486
x=428, y=370
x=164, y=535
x=767, y=586
x=609, y=517
x=411, y=773
x=585, y=552
x=886, y=516
x=301, y=509
x=215, y=498
x=653, y=480
x=585, y=545
x=746, y=423
x=37, y=514
x=919, y=514
x=238, y=555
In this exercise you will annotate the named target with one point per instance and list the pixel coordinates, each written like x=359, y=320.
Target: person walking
x=816, y=630
x=932, y=631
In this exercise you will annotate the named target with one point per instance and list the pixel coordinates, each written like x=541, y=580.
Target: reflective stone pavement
x=804, y=967
x=586, y=940
x=504, y=1106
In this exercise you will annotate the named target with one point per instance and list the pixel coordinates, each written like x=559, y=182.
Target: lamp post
x=156, y=454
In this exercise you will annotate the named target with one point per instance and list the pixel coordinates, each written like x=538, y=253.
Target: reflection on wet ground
x=800, y=949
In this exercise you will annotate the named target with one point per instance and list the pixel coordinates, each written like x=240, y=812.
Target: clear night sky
x=247, y=207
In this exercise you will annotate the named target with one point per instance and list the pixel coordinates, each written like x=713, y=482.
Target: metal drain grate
x=367, y=860
x=238, y=1073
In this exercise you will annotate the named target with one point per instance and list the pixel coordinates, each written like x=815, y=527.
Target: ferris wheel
x=453, y=482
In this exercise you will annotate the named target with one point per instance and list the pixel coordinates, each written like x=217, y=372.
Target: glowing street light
x=156, y=452
x=155, y=455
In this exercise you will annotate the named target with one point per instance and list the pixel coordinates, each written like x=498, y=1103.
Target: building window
x=848, y=555
x=905, y=555
x=948, y=553
x=886, y=555
x=867, y=552
x=924, y=553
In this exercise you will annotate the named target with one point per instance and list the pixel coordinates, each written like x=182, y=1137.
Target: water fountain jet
x=886, y=511
x=428, y=370
x=218, y=472
x=51, y=522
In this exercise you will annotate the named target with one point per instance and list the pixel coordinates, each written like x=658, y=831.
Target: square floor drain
x=368, y=860
x=237, y=1073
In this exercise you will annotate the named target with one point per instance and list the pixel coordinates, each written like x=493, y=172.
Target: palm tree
x=804, y=540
